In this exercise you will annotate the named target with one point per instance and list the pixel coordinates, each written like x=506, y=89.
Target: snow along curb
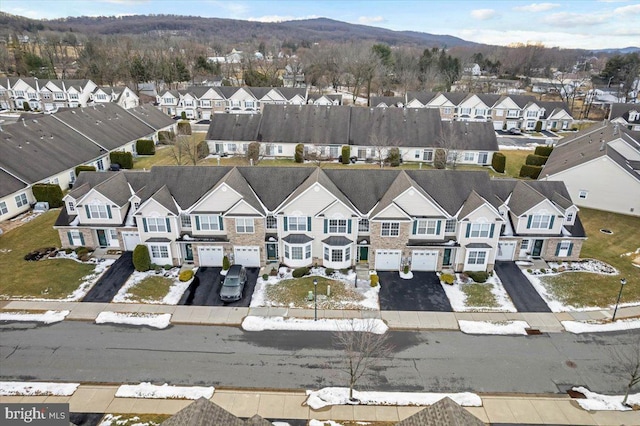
x=48, y=317
x=151, y=320
x=37, y=389
x=254, y=323
x=578, y=327
x=493, y=327
x=147, y=390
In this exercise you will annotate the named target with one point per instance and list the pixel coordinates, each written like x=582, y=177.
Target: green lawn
x=294, y=292
x=151, y=289
x=584, y=289
x=515, y=160
x=479, y=295
x=51, y=279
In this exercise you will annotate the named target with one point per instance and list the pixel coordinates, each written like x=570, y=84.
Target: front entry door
x=537, y=248
x=446, y=260
x=188, y=253
x=272, y=253
x=102, y=238
x=364, y=254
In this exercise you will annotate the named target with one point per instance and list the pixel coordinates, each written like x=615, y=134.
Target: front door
x=102, y=238
x=219, y=148
x=537, y=248
x=188, y=253
x=364, y=254
x=272, y=252
x=446, y=259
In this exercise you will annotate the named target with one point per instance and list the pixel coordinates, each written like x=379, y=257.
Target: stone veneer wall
x=89, y=240
x=378, y=242
x=549, y=249
x=255, y=239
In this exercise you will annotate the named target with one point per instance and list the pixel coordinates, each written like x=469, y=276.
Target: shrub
x=393, y=157
x=184, y=128
x=542, y=270
x=26, y=106
x=346, y=151
x=183, y=115
x=329, y=271
x=166, y=137
x=447, y=278
x=405, y=270
x=124, y=159
x=49, y=192
x=538, y=126
x=530, y=271
x=68, y=251
x=535, y=160
x=543, y=150
x=253, y=152
x=141, y=258
x=374, y=280
x=344, y=271
x=300, y=272
x=530, y=171
x=185, y=275
x=225, y=263
x=440, y=159
x=499, y=162
x=81, y=251
x=478, y=276
x=554, y=270
x=299, y=155
x=265, y=277
x=203, y=149
x=145, y=147
x=167, y=267
x=84, y=169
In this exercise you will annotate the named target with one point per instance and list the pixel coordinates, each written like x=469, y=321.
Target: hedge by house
x=535, y=160
x=440, y=159
x=184, y=128
x=145, y=147
x=499, y=162
x=183, y=115
x=538, y=126
x=141, y=258
x=393, y=157
x=49, y=192
x=530, y=171
x=253, y=151
x=346, y=151
x=203, y=149
x=84, y=169
x=166, y=137
x=125, y=159
x=543, y=150
x=299, y=155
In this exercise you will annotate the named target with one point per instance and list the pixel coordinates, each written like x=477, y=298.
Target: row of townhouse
x=303, y=216
x=49, y=95
x=504, y=111
x=369, y=132
x=47, y=148
x=627, y=115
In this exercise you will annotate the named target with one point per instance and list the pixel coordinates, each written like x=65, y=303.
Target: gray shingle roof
x=423, y=97
x=234, y=127
x=337, y=241
x=377, y=183
x=320, y=125
x=115, y=188
x=443, y=413
x=524, y=197
x=297, y=238
x=472, y=203
x=203, y=412
x=419, y=127
x=279, y=184
x=9, y=184
x=165, y=199
x=387, y=100
x=622, y=111
x=468, y=136
x=151, y=116
x=186, y=184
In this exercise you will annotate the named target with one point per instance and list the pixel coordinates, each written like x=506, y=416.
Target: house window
x=156, y=224
x=71, y=207
x=524, y=245
x=477, y=257
x=363, y=225
x=450, y=225
x=427, y=155
x=159, y=252
x=465, y=111
x=513, y=113
x=98, y=211
x=347, y=253
x=583, y=193
x=136, y=206
x=333, y=151
x=232, y=147
x=569, y=217
x=185, y=221
x=481, y=111
x=532, y=114
x=326, y=253
x=72, y=176
x=446, y=110
x=531, y=125
x=390, y=229
x=499, y=112
x=73, y=96
x=426, y=227
x=297, y=252
x=21, y=200
x=3, y=208
x=416, y=155
x=336, y=255
x=337, y=226
x=19, y=93
x=480, y=230
x=307, y=251
x=540, y=221
x=100, y=164
x=210, y=222
x=249, y=104
x=244, y=225
x=297, y=223
x=272, y=222
x=469, y=156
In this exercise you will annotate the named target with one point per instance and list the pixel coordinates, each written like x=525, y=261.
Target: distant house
x=387, y=101
x=122, y=96
x=324, y=100
x=472, y=69
x=627, y=115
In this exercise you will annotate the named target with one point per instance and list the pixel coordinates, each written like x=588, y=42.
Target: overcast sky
x=593, y=24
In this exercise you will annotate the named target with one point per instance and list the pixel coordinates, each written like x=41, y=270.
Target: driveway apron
x=113, y=279
x=423, y=292
x=205, y=289
x=525, y=298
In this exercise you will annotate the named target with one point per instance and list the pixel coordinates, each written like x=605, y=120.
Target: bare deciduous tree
x=627, y=359
x=188, y=149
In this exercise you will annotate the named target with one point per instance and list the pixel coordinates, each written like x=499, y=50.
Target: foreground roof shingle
x=443, y=413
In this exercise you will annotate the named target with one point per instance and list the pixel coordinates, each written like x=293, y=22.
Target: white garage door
x=131, y=240
x=247, y=256
x=497, y=125
x=424, y=260
x=388, y=260
x=506, y=250
x=206, y=115
x=210, y=256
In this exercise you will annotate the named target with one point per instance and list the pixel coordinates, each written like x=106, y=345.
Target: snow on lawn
x=147, y=390
x=458, y=298
x=48, y=317
x=340, y=396
x=554, y=304
x=596, y=401
x=172, y=297
x=37, y=388
x=493, y=327
x=254, y=323
x=152, y=320
x=88, y=280
x=595, y=327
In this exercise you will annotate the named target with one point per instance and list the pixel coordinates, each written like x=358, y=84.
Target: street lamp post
x=615, y=311
x=315, y=299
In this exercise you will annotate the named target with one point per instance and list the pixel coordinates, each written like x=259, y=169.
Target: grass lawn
x=584, y=289
x=151, y=289
x=294, y=292
x=515, y=160
x=51, y=279
x=479, y=295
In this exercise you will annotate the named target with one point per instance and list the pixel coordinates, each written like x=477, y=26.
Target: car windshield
x=231, y=282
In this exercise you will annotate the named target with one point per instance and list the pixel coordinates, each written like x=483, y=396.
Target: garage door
x=497, y=125
x=247, y=256
x=388, y=260
x=210, y=256
x=131, y=240
x=506, y=250
x=424, y=260
x=206, y=115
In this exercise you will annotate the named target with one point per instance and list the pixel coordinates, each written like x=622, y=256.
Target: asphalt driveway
x=113, y=279
x=525, y=298
x=205, y=288
x=421, y=293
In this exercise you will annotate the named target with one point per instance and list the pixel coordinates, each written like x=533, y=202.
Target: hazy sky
x=592, y=24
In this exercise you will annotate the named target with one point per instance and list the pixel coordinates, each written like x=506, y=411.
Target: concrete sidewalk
x=524, y=409
x=397, y=320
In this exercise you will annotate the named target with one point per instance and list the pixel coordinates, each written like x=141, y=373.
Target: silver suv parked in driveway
x=233, y=284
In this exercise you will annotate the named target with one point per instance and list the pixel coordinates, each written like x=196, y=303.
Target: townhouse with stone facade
x=301, y=216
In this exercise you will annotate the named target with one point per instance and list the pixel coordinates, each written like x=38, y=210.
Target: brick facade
x=87, y=234
x=378, y=242
x=257, y=238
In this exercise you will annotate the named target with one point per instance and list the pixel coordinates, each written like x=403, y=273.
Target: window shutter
x=197, y=223
x=415, y=227
x=308, y=223
x=86, y=208
x=286, y=227
x=493, y=227
x=570, y=249
x=326, y=226
x=551, y=222
x=109, y=211
x=558, y=248
x=144, y=224
x=168, y=225
x=349, y=226
x=438, y=223
x=81, y=239
x=220, y=223
x=529, y=221
x=468, y=230
x=70, y=238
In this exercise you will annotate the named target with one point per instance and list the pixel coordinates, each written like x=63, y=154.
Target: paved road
x=205, y=290
x=112, y=280
x=421, y=293
x=525, y=298
x=227, y=356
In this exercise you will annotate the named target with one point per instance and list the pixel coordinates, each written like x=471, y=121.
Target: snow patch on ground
x=152, y=320
x=147, y=390
x=406, y=276
x=340, y=396
x=255, y=323
x=172, y=297
x=458, y=298
x=554, y=304
x=578, y=327
x=48, y=317
x=88, y=280
x=596, y=401
x=493, y=327
x=37, y=388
